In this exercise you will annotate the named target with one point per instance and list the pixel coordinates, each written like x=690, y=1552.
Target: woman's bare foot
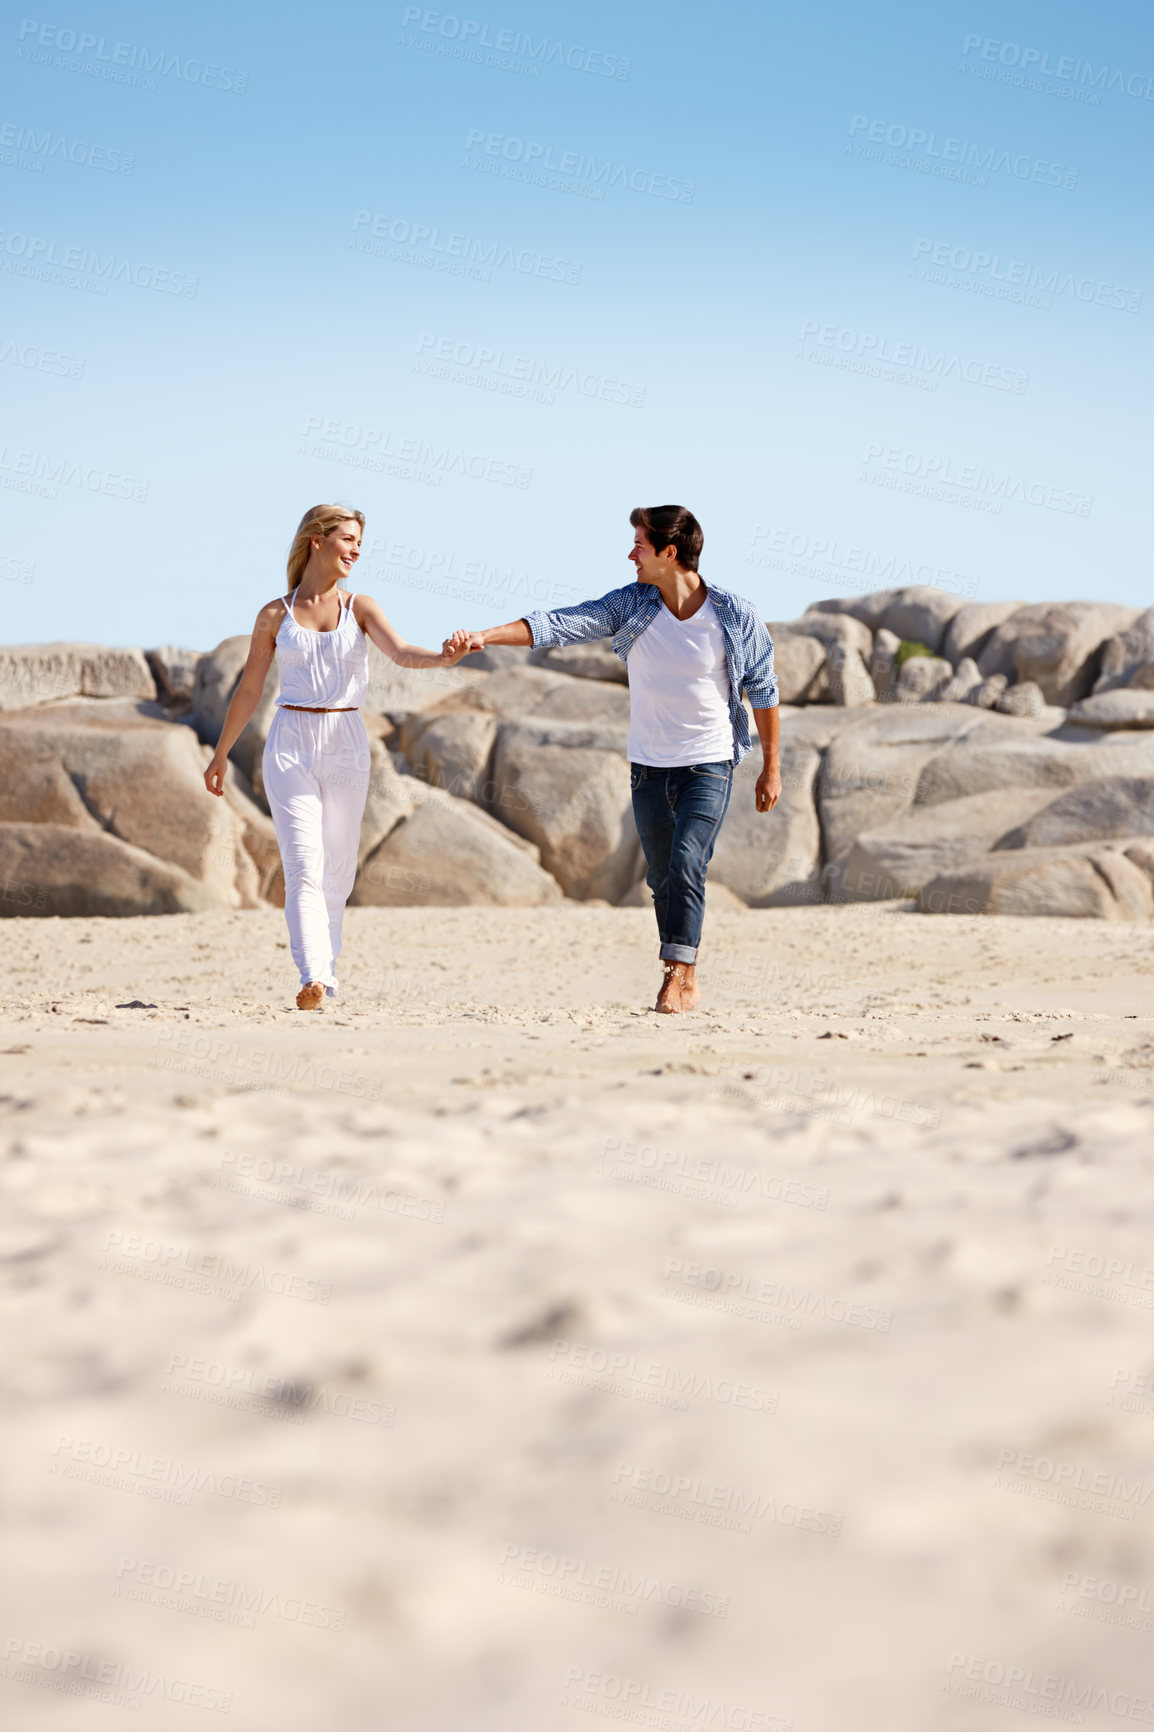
x=312, y=996
x=679, y=990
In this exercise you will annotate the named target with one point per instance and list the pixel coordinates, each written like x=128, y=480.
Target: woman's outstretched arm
x=247, y=695
x=371, y=615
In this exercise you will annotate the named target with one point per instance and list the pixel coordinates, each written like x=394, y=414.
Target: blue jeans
x=678, y=813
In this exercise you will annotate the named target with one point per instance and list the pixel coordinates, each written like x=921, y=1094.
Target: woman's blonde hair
x=317, y=520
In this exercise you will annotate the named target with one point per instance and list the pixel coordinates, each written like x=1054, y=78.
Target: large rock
x=773, y=859
x=847, y=678
x=899, y=857
x=535, y=691
x=797, y=661
x=1116, y=707
x=964, y=684
x=1128, y=658
x=174, y=671
x=1087, y=882
x=1056, y=644
x=1101, y=810
x=445, y=853
x=916, y=613
x=871, y=770
x=122, y=769
x=840, y=630
x=451, y=751
x=1012, y=752
x=1026, y=699
x=922, y=679
x=49, y=673
x=56, y=869
x=565, y=786
x=884, y=664
x=972, y=627
x=583, y=661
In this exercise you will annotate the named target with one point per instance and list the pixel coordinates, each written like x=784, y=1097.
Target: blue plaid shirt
x=623, y=615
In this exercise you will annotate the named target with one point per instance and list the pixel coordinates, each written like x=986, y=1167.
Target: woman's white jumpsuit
x=316, y=778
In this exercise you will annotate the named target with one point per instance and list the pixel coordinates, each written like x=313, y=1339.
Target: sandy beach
x=486, y=1352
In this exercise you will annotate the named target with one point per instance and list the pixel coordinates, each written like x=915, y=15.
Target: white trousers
x=316, y=777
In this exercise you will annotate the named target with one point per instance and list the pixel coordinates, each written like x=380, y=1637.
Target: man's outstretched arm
x=548, y=627
x=516, y=632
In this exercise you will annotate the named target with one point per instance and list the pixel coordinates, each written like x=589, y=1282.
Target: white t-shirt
x=679, y=692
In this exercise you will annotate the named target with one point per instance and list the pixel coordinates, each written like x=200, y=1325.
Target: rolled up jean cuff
x=679, y=953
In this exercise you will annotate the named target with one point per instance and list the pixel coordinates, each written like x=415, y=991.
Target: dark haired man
x=691, y=650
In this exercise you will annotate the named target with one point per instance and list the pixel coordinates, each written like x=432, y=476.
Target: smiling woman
x=316, y=757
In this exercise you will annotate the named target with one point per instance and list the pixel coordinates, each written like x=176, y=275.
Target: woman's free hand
x=214, y=774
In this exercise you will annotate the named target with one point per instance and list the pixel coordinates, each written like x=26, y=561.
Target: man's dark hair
x=671, y=526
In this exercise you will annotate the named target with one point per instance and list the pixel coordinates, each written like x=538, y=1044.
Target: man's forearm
x=768, y=724
x=516, y=633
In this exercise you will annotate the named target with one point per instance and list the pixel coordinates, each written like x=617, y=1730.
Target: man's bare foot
x=312, y=996
x=679, y=990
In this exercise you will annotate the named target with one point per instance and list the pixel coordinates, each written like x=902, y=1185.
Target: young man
x=690, y=650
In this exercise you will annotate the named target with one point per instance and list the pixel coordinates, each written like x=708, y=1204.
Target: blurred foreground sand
x=486, y=1354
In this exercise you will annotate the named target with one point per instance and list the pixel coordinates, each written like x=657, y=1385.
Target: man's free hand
x=768, y=788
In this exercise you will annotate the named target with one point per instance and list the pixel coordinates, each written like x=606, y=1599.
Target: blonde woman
x=316, y=757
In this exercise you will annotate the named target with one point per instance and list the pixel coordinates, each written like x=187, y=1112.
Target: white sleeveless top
x=322, y=670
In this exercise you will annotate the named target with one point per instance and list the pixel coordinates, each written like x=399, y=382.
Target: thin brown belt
x=338, y=710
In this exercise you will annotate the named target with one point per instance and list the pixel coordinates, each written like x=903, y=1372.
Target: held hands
x=462, y=643
x=768, y=788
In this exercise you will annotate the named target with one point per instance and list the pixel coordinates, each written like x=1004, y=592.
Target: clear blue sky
x=839, y=278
